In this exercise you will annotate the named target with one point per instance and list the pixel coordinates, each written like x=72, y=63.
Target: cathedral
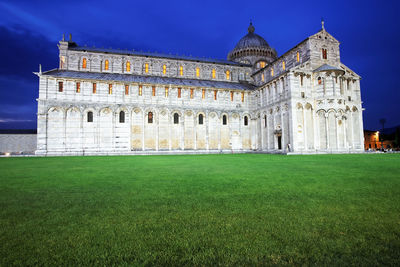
x=111, y=101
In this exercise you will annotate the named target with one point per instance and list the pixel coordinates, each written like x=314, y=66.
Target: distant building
x=109, y=101
x=376, y=140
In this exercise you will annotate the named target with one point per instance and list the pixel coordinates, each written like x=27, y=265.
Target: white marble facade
x=99, y=101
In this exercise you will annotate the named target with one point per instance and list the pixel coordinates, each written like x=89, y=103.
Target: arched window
x=176, y=118
x=128, y=66
x=224, y=120
x=213, y=74
x=150, y=117
x=164, y=69
x=106, y=63
x=298, y=56
x=283, y=65
x=319, y=80
x=272, y=71
x=197, y=72
x=261, y=64
x=122, y=117
x=181, y=70
x=146, y=67
x=265, y=121
x=228, y=75
x=90, y=116
x=246, y=121
x=201, y=119
x=324, y=53
x=84, y=63
x=262, y=77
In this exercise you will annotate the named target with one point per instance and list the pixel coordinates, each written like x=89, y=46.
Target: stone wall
x=16, y=143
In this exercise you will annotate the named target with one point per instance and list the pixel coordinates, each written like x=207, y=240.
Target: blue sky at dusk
x=369, y=32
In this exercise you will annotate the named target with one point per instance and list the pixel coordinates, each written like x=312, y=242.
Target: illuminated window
x=319, y=80
x=122, y=117
x=179, y=92
x=146, y=67
x=154, y=91
x=272, y=71
x=176, y=118
x=246, y=121
x=191, y=93
x=228, y=75
x=203, y=93
x=324, y=53
x=166, y=91
x=231, y=96
x=262, y=77
x=150, y=117
x=298, y=56
x=106, y=63
x=110, y=89
x=215, y=94
x=90, y=116
x=84, y=63
x=283, y=65
x=94, y=88
x=62, y=62
x=261, y=64
x=213, y=74
x=78, y=87
x=164, y=69
x=140, y=90
x=60, y=86
x=128, y=66
x=197, y=72
x=224, y=120
x=126, y=89
x=181, y=71
x=201, y=119
x=242, y=97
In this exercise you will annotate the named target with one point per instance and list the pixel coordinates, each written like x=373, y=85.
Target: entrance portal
x=279, y=142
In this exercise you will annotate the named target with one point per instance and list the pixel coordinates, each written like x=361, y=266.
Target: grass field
x=200, y=210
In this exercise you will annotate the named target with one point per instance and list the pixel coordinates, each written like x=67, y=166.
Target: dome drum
x=252, y=48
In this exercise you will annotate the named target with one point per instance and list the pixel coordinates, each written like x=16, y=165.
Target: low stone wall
x=17, y=143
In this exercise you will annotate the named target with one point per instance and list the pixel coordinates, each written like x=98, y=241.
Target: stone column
x=327, y=131
x=157, y=130
x=143, y=124
x=305, y=129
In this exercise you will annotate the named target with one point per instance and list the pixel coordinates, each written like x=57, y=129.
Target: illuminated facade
x=107, y=101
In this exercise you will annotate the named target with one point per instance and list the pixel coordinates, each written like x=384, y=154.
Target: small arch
x=319, y=80
x=106, y=64
x=121, y=117
x=246, y=120
x=176, y=118
x=90, y=116
x=224, y=120
x=150, y=117
x=201, y=119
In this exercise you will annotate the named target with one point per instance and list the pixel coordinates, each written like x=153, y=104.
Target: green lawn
x=243, y=209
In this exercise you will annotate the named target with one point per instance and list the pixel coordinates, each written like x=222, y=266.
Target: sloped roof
x=153, y=54
x=130, y=78
x=327, y=67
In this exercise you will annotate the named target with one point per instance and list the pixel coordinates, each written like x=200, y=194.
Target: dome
x=251, y=40
x=252, y=48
